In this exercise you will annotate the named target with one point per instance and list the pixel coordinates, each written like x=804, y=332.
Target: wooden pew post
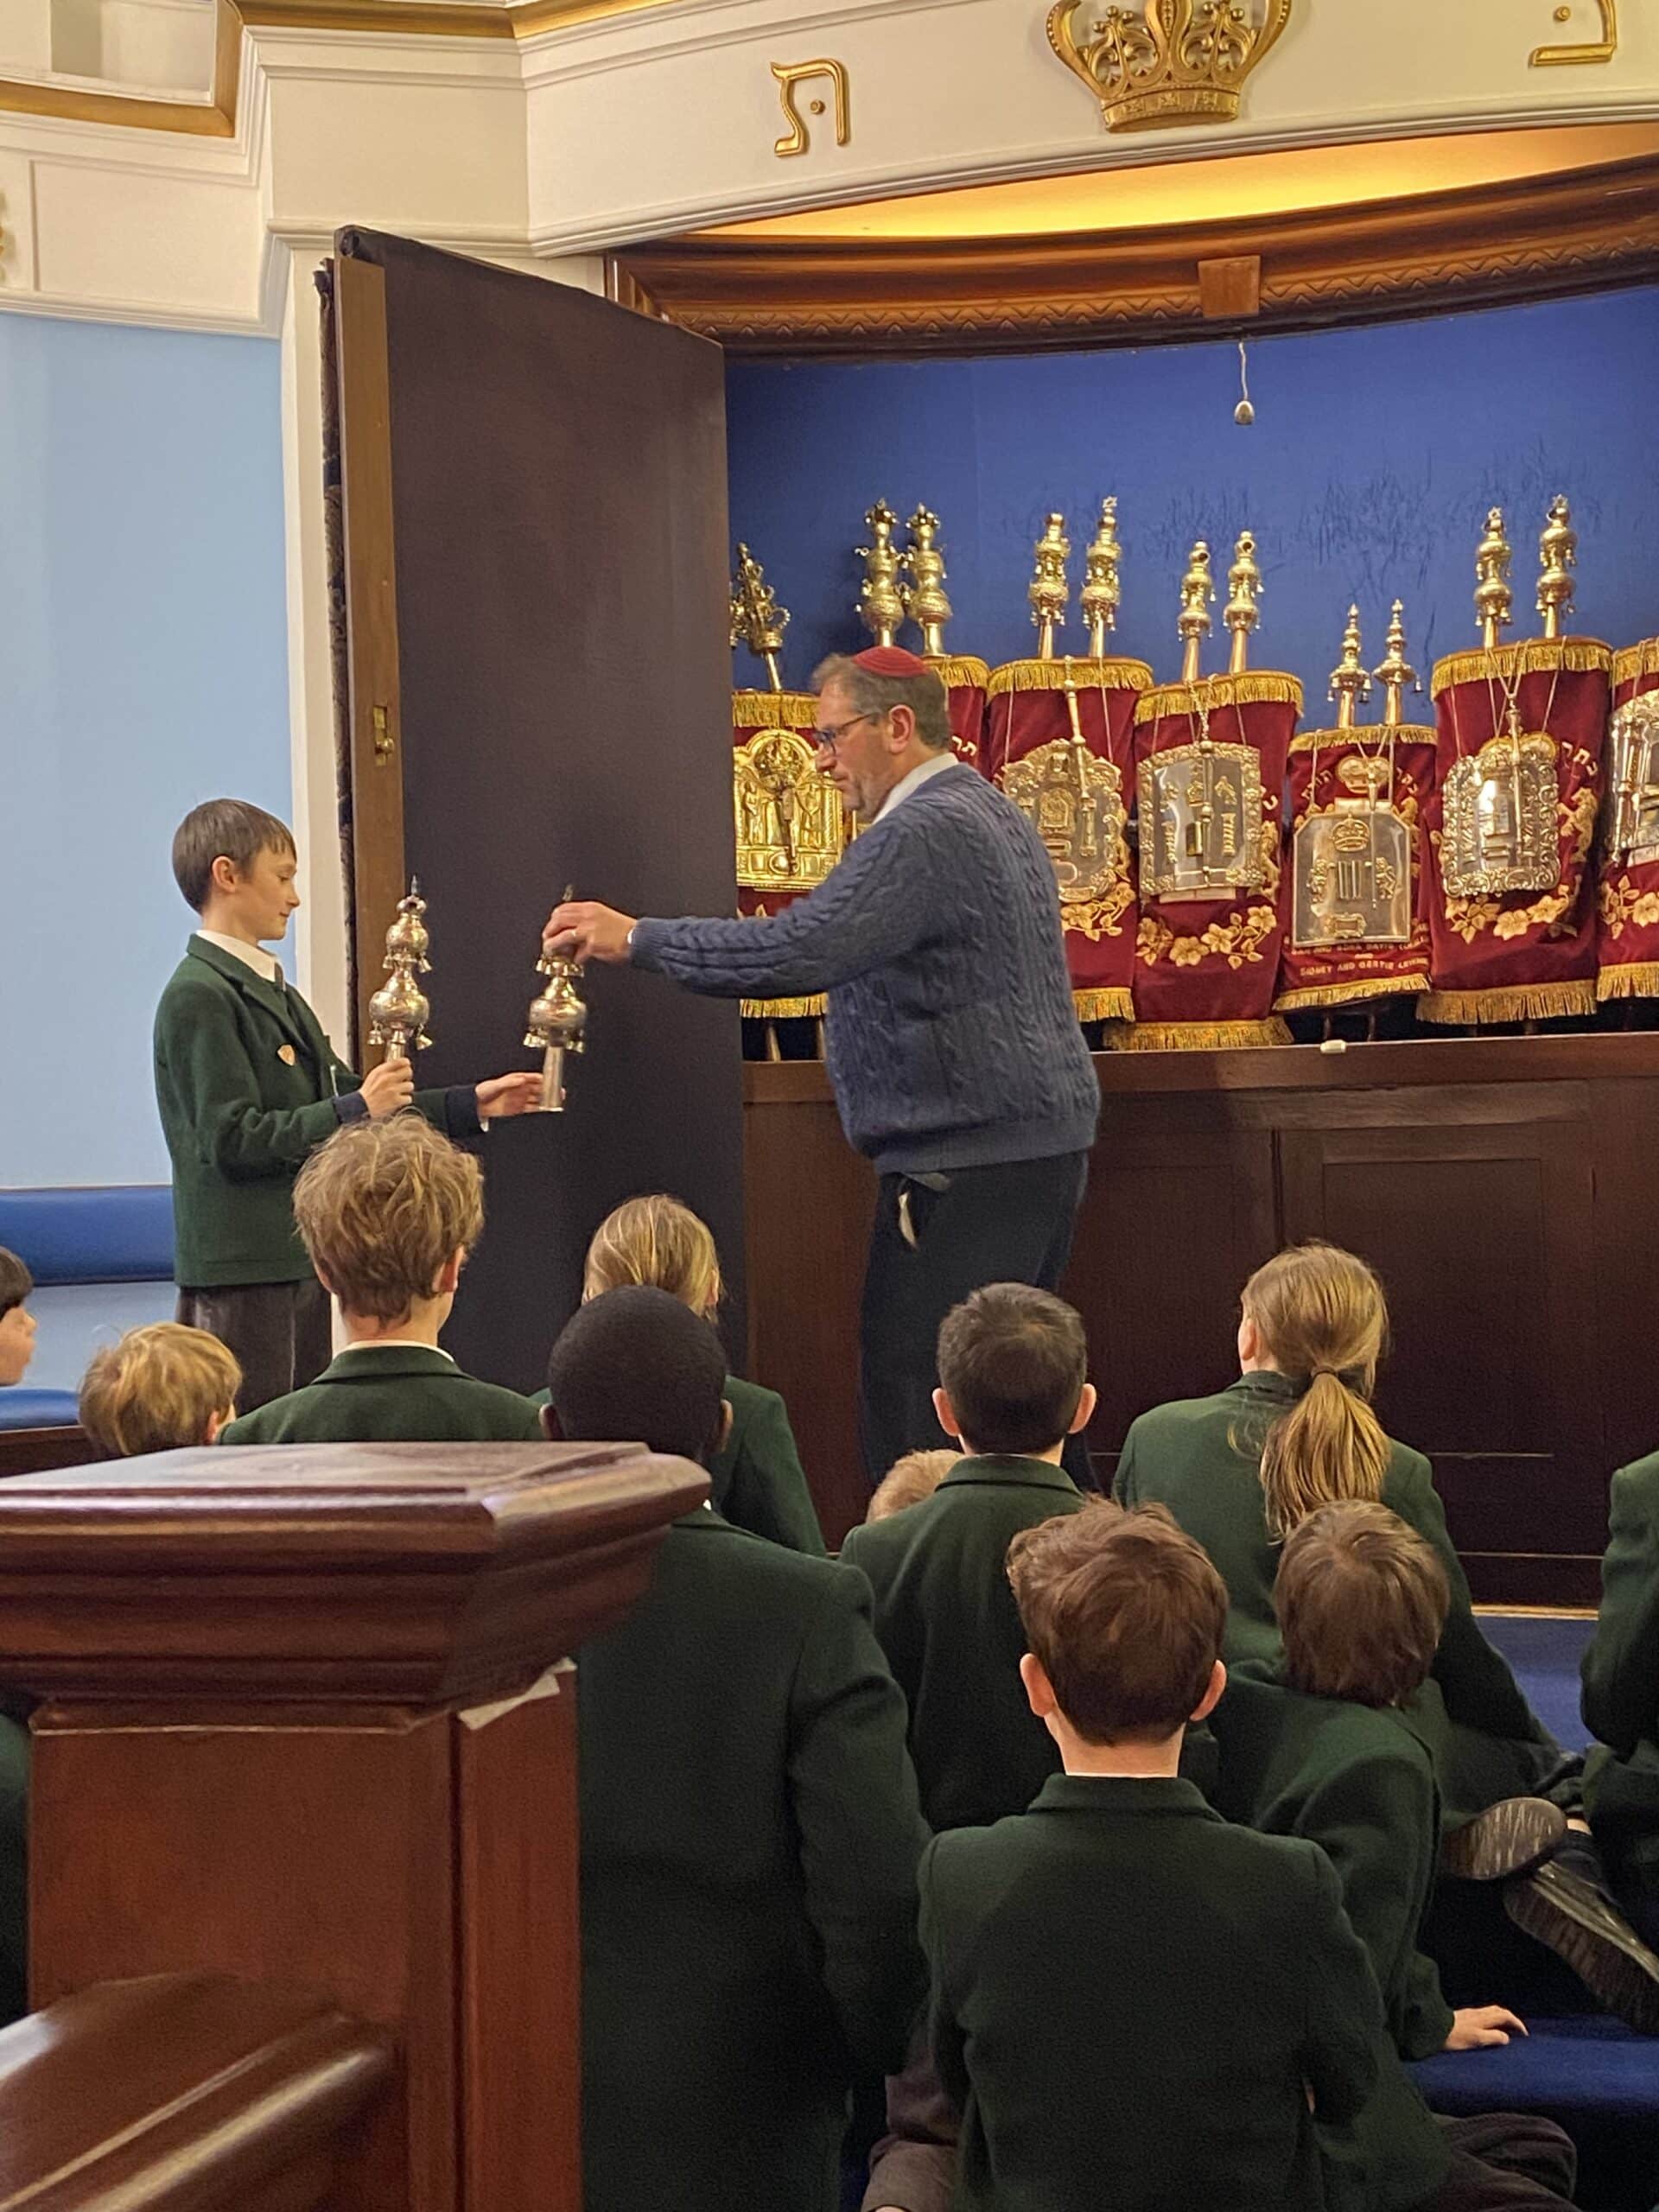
x=304, y=1722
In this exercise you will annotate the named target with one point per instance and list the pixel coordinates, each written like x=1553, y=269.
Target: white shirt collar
x=902, y=790
x=396, y=1343
x=265, y=964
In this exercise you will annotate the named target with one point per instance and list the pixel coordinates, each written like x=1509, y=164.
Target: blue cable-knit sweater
x=951, y=1039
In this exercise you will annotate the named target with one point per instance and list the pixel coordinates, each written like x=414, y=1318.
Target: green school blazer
x=756, y=1479
x=391, y=1393
x=1132, y=2000
x=947, y=1621
x=246, y=1081
x=1183, y=1456
x=1360, y=1783
x=750, y=1843
x=1620, y=1676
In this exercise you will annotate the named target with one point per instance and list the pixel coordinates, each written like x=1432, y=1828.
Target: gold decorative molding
x=213, y=118
x=797, y=139
x=1530, y=238
x=1591, y=50
x=1159, y=63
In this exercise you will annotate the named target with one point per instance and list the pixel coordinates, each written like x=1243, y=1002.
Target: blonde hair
x=1323, y=1321
x=382, y=1207
x=908, y=1481
x=157, y=1390
x=655, y=1243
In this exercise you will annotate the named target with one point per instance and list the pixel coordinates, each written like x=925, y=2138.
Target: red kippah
x=890, y=660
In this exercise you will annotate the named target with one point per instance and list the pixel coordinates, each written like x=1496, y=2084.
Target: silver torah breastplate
x=1499, y=831
x=1352, y=878
x=1633, y=783
x=1074, y=800
x=1201, y=822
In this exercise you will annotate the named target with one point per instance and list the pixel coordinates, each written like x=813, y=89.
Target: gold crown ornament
x=1156, y=63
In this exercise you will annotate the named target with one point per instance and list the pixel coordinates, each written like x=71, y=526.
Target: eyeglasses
x=829, y=740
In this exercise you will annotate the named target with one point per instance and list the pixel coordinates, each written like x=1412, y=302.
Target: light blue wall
x=143, y=668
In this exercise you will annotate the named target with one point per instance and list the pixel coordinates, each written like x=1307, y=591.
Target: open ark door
x=537, y=681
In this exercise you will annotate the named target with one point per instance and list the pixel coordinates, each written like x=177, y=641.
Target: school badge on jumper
x=286, y=1055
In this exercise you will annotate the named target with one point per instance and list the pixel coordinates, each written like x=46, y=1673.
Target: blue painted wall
x=142, y=669
x=1373, y=459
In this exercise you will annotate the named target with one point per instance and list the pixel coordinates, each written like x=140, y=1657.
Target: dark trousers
x=1505, y=2162
x=1011, y=1223
x=281, y=1333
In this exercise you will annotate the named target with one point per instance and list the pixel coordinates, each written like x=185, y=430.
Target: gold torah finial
x=758, y=621
x=399, y=1010
x=556, y=1021
x=1394, y=672
x=1103, y=591
x=1197, y=594
x=1242, y=612
x=1157, y=63
x=925, y=598
x=1048, y=590
x=1558, y=556
x=881, y=605
x=1494, y=601
x=1350, y=684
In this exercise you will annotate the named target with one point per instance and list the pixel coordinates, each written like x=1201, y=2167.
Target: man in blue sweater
x=957, y=1060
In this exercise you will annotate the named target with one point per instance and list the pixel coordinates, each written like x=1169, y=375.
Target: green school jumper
x=1620, y=1671
x=391, y=1393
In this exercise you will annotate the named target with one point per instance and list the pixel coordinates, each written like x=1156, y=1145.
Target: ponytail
x=1322, y=1320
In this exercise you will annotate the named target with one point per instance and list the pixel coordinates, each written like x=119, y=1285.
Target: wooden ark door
x=534, y=494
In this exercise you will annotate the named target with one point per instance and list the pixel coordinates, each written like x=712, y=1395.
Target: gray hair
x=879, y=695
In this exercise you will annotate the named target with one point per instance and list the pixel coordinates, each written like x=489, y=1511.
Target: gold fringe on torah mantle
x=1513, y=1003
x=1351, y=994
x=1114, y=1003
x=1198, y=1036
x=812, y=1009
x=773, y=710
x=1574, y=655
x=1632, y=663
x=1050, y=675
x=959, y=671
x=1218, y=692
x=1639, y=980
x=1327, y=740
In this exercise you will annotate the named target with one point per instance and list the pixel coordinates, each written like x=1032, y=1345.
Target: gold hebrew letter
x=789, y=75
x=1601, y=49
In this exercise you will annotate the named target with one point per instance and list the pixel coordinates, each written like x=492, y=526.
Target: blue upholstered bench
x=1595, y=2077
x=102, y=1260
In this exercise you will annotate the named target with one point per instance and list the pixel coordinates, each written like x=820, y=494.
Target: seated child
x=1012, y=1388
x=756, y=1476
x=159, y=1389
x=1134, y=2002
x=389, y=1210
x=1331, y=1745
x=908, y=1481
x=1239, y=1470
x=749, y=1825
x=1620, y=1672
x=17, y=1323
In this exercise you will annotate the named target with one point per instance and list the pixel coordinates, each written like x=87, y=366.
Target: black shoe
x=1582, y=1925
x=1509, y=1838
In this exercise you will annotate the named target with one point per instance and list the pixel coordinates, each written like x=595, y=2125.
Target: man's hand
x=582, y=931
x=1483, y=2027
x=505, y=1096
x=388, y=1088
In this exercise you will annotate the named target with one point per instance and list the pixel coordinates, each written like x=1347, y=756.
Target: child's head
x=389, y=1210
x=1318, y=1315
x=158, y=1389
x=1361, y=1601
x=1012, y=1364
x=1123, y=1614
x=17, y=1322
x=235, y=863
x=636, y=1366
x=659, y=1244
x=908, y=1481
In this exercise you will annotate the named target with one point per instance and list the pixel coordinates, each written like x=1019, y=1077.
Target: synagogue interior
x=1006, y=659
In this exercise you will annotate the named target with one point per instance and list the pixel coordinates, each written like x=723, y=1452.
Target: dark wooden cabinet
x=1505, y=1189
